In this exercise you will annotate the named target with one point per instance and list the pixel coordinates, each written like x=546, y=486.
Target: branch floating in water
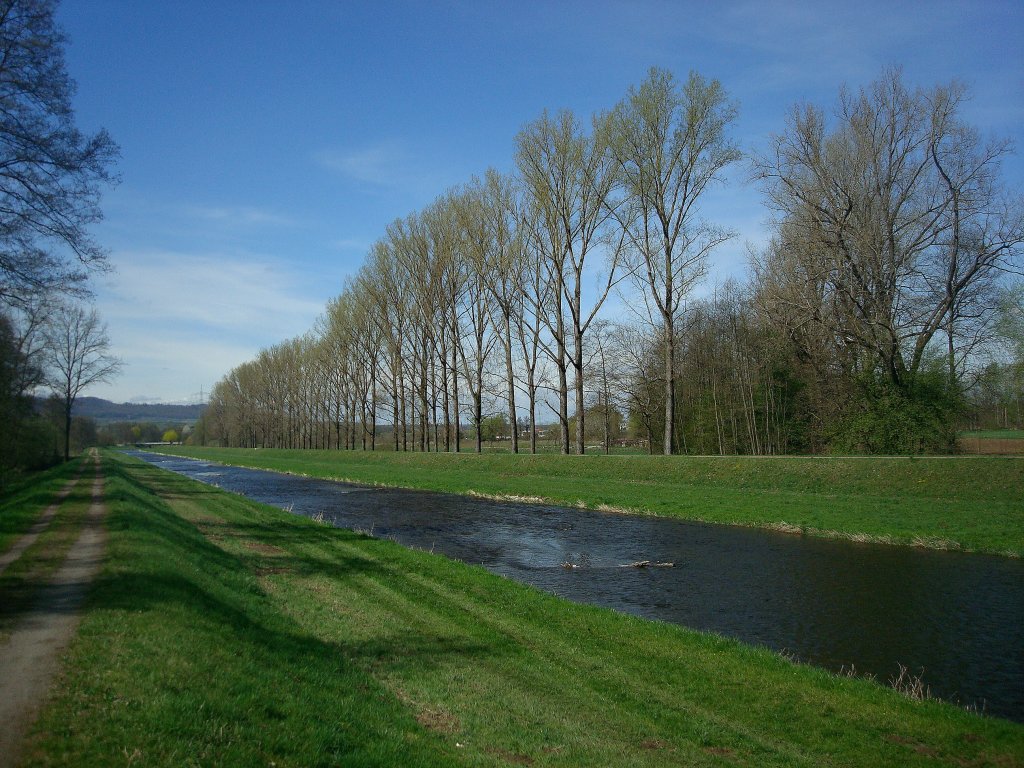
x=648, y=564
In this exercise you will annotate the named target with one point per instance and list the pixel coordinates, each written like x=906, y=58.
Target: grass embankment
x=947, y=503
x=226, y=632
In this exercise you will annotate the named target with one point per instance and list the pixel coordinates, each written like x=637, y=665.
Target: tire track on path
x=30, y=658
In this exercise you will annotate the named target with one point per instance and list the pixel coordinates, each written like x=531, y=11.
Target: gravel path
x=30, y=658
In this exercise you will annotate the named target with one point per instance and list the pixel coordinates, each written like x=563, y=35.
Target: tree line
x=51, y=176
x=871, y=321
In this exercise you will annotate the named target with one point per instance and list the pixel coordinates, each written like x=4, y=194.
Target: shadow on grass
x=19, y=590
x=23, y=502
x=24, y=581
x=189, y=648
x=183, y=631
x=272, y=538
x=185, y=597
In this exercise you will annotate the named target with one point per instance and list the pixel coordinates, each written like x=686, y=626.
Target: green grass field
x=995, y=434
x=971, y=503
x=223, y=632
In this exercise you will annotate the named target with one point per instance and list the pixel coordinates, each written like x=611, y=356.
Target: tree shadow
x=21, y=504
x=156, y=527
x=165, y=574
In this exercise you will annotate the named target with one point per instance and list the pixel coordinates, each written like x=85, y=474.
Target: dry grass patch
x=264, y=548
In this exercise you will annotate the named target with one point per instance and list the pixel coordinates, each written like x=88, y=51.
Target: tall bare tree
x=445, y=276
x=475, y=339
x=670, y=142
x=500, y=262
x=78, y=357
x=571, y=177
x=382, y=279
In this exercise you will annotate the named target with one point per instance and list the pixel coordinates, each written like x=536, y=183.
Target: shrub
x=920, y=417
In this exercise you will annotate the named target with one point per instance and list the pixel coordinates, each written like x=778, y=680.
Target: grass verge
x=974, y=504
x=226, y=632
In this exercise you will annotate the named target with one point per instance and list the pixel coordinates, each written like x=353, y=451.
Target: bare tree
x=530, y=294
x=51, y=173
x=670, y=144
x=30, y=318
x=500, y=264
x=446, y=278
x=77, y=346
x=570, y=177
x=381, y=277
x=639, y=387
x=475, y=340
x=19, y=374
x=607, y=372
x=892, y=223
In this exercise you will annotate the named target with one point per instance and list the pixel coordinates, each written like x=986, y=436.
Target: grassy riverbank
x=226, y=632
x=973, y=503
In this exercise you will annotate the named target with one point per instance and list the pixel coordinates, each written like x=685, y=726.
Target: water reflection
x=955, y=619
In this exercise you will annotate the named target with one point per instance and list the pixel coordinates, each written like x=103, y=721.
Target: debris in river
x=638, y=564
x=648, y=564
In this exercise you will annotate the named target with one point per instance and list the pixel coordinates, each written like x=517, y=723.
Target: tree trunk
x=513, y=421
x=67, y=429
x=563, y=402
x=577, y=365
x=433, y=403
x=478, y=414
x=394, y=405
x=670, y=389
x=373, y=406
x=403, y=409
x=455, y=399
x=445, y=405
x=949, y=351
x=424, y=405
x=607, y=426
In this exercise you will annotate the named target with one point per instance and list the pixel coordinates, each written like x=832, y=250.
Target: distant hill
x=105, y=411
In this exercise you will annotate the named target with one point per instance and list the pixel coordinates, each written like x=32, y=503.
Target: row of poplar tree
x=864, y=324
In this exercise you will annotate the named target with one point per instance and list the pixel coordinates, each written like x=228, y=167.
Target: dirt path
x=30, y=658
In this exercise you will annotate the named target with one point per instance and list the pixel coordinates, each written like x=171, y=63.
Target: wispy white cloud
x=384, y=165
x=227, y=292
x=180, y=321
x=240, y=215
x=381, y=164
x=169, y=367
x=350, y=244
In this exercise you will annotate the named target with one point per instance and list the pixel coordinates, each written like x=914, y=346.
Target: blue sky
x=266, y=145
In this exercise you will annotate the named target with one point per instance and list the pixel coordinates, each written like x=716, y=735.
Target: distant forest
x=881, y=317
x=103, y=411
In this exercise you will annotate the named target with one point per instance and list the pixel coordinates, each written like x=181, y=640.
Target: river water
x=954, y=619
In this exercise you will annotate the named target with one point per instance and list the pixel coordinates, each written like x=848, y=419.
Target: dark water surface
x=956, y=620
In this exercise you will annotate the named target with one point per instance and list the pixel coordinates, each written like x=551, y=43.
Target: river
x=955, y=620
